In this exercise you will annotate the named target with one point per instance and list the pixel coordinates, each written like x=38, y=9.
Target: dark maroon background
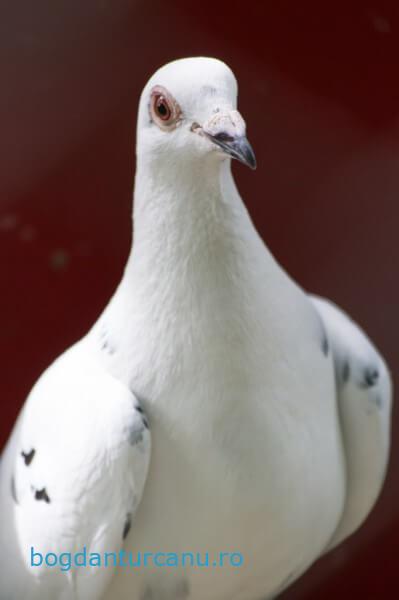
x=319, y=90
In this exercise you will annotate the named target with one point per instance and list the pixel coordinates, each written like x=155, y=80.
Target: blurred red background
x=319, y=91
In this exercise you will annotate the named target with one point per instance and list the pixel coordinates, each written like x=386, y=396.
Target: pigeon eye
x=164, y=110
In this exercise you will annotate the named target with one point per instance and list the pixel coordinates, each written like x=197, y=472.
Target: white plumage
x=269, y=410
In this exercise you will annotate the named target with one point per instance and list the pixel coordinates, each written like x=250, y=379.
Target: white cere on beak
x=226, y=130
x=230, y=123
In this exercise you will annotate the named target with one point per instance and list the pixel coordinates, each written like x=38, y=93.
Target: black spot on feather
x=42, y=495
x=370, y=377
x=346, y=371
x=127, y=525
x=28, y=456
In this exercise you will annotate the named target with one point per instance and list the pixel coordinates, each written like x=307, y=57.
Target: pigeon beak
x=227, y=131
x=237, y=147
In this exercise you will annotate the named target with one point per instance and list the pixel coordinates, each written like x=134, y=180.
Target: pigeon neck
x=186, y=216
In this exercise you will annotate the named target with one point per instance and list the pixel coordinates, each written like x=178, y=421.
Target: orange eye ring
x=164, y=110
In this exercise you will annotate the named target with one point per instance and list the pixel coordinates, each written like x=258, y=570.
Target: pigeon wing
x=76, y=472
x=364, y=393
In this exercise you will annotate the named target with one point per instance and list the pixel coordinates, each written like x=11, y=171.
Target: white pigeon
x=269, y=410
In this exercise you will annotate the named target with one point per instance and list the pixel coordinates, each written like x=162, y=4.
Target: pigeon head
x=188, y=113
